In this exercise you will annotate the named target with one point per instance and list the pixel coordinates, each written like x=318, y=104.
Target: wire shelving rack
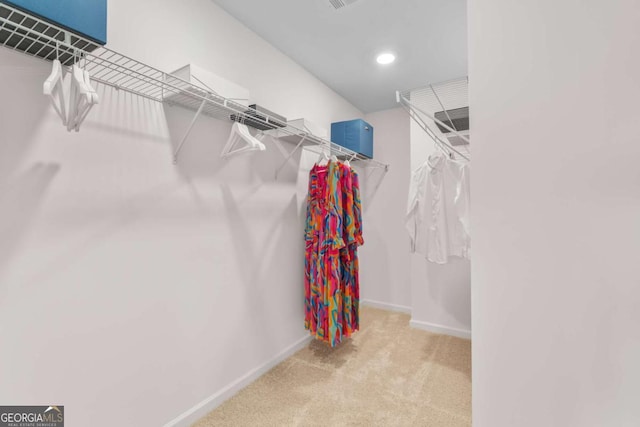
x=29, y=34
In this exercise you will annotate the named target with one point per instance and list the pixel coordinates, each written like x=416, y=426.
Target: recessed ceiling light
x=386, y=58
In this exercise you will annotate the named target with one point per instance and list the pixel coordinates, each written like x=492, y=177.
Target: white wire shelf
x=454, y=93
x=294, y=135
x=31, y=35
x=36, y=37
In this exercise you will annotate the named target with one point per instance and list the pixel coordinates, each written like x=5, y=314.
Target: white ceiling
x=429, y=38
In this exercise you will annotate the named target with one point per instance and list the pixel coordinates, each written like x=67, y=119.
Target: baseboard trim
x=385, y=306
x=212, y=402
x=440, y=329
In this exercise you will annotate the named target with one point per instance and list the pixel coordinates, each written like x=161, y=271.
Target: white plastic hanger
x=240, y=133
x=54, y=87
x=79, y=97
x=348, y=161
x=83, y=97
x=323, y=159
x=260, y=136
x=95, y=99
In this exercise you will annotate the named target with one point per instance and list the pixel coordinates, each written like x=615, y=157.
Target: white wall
x=127, y=284
x=384, y=260
x=440, y=294
x=556, y=212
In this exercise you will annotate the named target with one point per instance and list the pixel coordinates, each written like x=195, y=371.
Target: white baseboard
x=212, y=402
x=385, y=306
x=440, y=329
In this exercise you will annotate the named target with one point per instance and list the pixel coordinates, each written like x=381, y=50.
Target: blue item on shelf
x=88, y=18
x=356, y=135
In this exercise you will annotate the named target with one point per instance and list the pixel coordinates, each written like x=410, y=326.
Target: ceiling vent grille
x=339, y=4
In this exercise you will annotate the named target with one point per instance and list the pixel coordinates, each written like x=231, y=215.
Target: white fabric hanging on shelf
x=438, y=209
x=416, y=209
x=462, y=202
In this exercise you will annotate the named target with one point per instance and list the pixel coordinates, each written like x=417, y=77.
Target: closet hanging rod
x=33, y=36
x=309, y=140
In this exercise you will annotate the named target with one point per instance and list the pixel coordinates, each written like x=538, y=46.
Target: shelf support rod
x=441, y=123
x=290, y=155
x=411, y=109
x=443, y=108
x=186, y=135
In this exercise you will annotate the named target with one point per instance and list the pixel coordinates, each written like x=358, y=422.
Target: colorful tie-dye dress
x=333, y=232
x=352, y=235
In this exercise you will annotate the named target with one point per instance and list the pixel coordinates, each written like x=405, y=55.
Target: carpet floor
x=387, y=374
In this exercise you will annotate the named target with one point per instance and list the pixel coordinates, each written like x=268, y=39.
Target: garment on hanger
x=460, y=172
x=438, y=210
x=416, y=209
x=352, y=236
x=333, y=232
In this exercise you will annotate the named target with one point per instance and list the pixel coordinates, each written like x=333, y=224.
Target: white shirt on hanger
x=416, y=209
x=462, y=202
x=438, y=210
x=457, y=205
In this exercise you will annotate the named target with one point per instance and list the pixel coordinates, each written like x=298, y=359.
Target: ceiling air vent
x=339, y=4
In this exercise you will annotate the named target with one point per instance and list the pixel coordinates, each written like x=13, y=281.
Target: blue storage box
x=356, y=135
x=87, y=18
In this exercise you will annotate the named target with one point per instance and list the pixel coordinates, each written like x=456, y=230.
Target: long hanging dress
x=359, y=241
x=352, y=236
x=314, y=220
x=323, y=241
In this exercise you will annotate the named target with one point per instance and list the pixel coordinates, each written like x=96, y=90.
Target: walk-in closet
x=299, y=213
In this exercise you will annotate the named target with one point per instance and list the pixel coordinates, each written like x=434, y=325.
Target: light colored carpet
x=386, y=375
